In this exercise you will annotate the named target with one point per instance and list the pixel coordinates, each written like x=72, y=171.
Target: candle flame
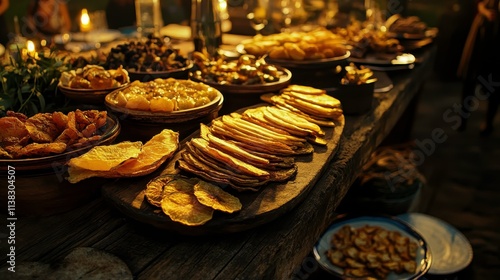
x=30, y=46
x=85, y=19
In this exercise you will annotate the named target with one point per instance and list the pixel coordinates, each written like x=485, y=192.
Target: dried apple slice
x=181, y=205
x=213, y=196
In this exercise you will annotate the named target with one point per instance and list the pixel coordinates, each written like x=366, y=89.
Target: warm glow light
x=30, y=50
x=84, y=21
x=30, y=46
x=85, y=17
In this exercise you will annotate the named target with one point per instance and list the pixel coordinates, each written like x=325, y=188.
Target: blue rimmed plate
x=452, y=251
x=423, y=258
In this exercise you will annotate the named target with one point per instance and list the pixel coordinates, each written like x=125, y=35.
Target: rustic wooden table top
x=274, y=250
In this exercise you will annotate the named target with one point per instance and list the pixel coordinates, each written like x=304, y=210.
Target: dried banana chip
x=216, y=198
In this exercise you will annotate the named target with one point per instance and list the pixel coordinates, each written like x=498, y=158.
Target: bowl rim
x=188, y=66
x=284, y=80
x=64, y=88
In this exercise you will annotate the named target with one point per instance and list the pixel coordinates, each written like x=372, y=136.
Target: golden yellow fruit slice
x=154, y=152
x=181, y=205
x=154, y=189
x=213, y=196
x=105, y=158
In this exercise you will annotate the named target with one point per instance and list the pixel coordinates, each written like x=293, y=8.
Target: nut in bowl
x=246, y=75
x=91, y=84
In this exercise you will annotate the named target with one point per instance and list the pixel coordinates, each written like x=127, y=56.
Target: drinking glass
x=257, y=13
x=148, y=16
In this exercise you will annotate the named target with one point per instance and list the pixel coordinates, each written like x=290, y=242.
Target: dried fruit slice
x=154, y=152
x=181, y=205
x=154, y=189
x=40, y=149
x=105, y=158
x=216, y=198
x=76, y=174
x=304, y=89
x=323, y=100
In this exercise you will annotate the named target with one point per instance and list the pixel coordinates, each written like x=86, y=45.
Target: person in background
x=4, y=33
x=48, y=17
x=120, y=13
x=481, y=59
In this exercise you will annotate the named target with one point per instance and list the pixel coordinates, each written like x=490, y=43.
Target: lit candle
x=30, y=46
x=85, y=21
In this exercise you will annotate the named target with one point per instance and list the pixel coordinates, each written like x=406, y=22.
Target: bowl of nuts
x=245, y=75
x=372, y=247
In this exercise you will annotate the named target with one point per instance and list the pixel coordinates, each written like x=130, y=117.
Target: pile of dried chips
x=125, y=159
x=189, y=201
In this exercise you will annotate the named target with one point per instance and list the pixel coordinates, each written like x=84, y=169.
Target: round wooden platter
x=267, y=204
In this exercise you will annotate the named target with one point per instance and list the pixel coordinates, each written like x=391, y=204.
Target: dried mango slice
x=78, y=174
x=213, y=196
x=154, y=152
x=181, y=205
x=105, y=158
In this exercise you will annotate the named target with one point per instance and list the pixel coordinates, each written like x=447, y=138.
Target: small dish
x=283, y=82
x=451, y=250
x=87, y=96
x=423, y=258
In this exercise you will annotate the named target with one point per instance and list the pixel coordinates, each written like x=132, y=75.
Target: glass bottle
x=206, y=28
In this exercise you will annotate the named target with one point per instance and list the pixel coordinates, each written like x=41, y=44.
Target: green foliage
x=29, y=86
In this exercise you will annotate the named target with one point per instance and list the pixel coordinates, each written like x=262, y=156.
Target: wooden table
x=273, y=251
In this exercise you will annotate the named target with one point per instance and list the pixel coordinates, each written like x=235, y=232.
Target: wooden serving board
x=267, y=204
